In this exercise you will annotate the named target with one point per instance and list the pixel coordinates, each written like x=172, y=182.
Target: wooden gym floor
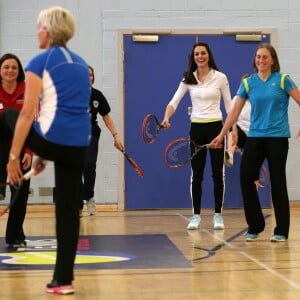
x=216, y=264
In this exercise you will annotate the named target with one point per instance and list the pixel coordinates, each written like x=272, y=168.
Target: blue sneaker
x=194, y=222
x=251, y=237
x=278, y=238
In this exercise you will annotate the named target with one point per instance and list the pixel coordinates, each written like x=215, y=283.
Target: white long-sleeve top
x=205, y=97
x=244, y=118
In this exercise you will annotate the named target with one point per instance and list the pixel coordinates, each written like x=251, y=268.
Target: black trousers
x=4, y=151
x=204, y=133
x=68, y=167
x=14, y=228
x=242, y=137
x=89, y=172
x=275, y=150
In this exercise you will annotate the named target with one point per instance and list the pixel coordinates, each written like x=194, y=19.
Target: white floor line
x=290, y=282
x=261, y=264
x=183, y=217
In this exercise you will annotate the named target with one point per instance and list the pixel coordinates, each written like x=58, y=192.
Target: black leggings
x=68, y=168
x=204, y=133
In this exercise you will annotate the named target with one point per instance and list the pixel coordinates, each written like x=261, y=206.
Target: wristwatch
x=13, y=156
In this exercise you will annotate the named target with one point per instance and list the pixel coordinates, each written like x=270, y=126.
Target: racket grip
x=211, y=146
x=26, y=176
x=29, y=174
x=32, y=171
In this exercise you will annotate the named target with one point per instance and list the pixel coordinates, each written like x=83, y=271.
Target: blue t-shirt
x=269, y=105
x=63, y=117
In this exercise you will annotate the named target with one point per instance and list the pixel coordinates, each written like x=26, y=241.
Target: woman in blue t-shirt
x=268, y=91
x=61, y=133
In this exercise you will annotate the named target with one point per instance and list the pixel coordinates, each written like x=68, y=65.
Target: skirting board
x=110, y=207
x=50, y=207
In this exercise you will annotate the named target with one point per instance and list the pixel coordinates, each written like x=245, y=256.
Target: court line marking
x=250, y=257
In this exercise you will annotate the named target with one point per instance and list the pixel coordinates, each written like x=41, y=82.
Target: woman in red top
x=12, y=87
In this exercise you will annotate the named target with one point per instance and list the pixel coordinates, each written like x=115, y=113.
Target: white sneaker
x=194, y=222
x=91, y=207
x=228, y=159
x=218, y=221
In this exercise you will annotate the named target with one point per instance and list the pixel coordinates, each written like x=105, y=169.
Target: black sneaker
x=60, y=288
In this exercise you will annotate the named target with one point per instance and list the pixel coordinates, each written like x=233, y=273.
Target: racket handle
x=211, y=146
x=32, y=171
x=26, y=176
x=29, y=174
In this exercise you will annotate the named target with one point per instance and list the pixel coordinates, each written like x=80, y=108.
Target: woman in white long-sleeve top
x=206, y=86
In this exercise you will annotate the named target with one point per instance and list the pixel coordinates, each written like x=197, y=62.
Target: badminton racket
x=178, y=152
x=26, y=177
x=264, y=177
x=150, y=128
x=134, y=164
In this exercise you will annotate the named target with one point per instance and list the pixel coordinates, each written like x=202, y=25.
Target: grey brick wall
x=98, y=25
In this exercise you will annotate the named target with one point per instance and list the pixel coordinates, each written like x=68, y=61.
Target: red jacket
x=14, y=100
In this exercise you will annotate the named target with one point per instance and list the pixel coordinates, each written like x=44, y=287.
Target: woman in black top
x=98, y=105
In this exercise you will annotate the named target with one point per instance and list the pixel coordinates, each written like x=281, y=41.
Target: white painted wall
x=98, y=24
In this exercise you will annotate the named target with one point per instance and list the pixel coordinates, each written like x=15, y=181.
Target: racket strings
x=178, y=153
x=263, y=176
x=151, y=127
x=181, y=151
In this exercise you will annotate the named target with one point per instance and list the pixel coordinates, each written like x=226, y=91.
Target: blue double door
x=152, y=72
